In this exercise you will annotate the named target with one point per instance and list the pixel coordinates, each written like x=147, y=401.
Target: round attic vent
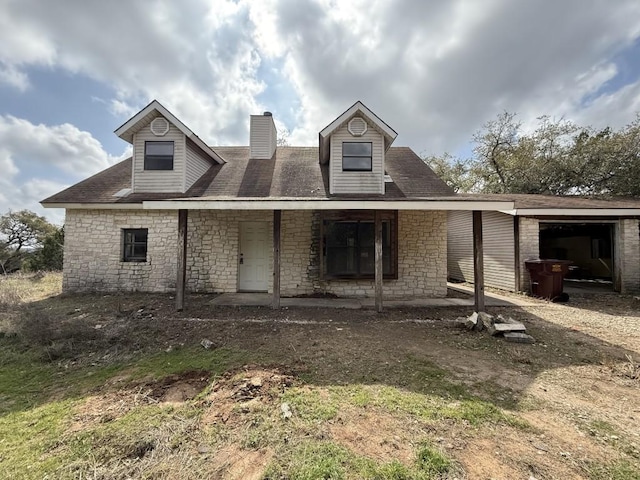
x=159, y=126
x=357, y=127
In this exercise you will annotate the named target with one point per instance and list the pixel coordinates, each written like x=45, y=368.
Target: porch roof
x=289, y=203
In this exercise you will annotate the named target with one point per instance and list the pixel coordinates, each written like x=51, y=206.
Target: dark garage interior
x=589, y=246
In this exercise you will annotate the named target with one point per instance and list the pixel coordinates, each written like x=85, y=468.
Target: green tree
x=49, y=257
x=557, y=157
x=21, y=233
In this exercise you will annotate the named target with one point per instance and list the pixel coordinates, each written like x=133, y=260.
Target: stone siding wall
x=629, y=255
x=93, y=261
x=93, y=251
x=529, y=248
x=213, y=239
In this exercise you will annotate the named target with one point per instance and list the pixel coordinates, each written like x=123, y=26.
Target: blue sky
x=72, y=72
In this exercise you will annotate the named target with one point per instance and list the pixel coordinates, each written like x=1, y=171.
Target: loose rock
x=517, y=337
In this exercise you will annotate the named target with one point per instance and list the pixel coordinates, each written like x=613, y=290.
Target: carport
x=589, y=246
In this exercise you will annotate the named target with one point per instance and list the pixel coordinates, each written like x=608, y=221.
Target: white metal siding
x=356, y=182
x=262, y=137
x=197, y=164
x=159, y=180
x=498, y=242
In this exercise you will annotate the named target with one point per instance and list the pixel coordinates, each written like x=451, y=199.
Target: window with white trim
x=357, y=156
x=158, y=155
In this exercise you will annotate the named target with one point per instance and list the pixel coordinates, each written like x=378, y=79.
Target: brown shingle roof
x=531, y=201
x=293, y=172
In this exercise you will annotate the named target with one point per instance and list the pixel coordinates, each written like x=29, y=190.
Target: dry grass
x=19, y=288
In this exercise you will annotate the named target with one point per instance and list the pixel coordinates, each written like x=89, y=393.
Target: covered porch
x=395, y=263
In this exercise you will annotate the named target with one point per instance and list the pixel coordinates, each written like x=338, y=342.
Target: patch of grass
x=179, y=360
x=311, y=460
x=28, y=287
x=431, y=407
x=621, y=470
x=309, y=405
x=26, y=381
x=261, y=431
x=432, y=462
x=476, y=412
x=602, y=427
x=27, y=437
x=119, y=448
x=393, y=470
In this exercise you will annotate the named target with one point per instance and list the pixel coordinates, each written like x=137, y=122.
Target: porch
x=380, y=281
x=253, y=299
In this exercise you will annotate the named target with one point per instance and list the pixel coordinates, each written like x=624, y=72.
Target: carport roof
x=534, y=204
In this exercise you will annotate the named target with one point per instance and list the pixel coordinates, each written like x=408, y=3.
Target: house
x=354, y=216
x=601, y=238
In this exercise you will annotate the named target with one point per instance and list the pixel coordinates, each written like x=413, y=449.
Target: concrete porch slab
x=264, y=300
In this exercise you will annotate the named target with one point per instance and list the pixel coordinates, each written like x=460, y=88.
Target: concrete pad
x=243, y=299
x=248, y=299
x=348, y=303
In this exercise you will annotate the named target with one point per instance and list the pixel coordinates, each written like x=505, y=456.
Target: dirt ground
x=577, y=389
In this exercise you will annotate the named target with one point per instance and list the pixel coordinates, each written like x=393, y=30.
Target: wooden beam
x=182, y=259
x=378, y=260
x=277, y=220
x=516, y=253
x=478, y=262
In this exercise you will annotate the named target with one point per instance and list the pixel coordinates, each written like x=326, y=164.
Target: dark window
x=158, y=155
x=349, y=248
x=356, y=156
x=134, y=244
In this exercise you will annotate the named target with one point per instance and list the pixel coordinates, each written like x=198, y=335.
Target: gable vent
x=159, y=126
x=357, y=127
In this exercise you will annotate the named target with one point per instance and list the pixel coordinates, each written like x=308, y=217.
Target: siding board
x=498, y=240
x=159, y=180
x=196, y=166
x=356, y=182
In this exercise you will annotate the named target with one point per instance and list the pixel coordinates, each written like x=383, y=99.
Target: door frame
x=265, y=240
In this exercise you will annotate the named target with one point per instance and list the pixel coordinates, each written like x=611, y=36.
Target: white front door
x=253, y=257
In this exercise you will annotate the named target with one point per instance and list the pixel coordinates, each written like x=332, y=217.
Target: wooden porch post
x=277, y=220
x=182, y=259
x=478, y=262
x=378, y=260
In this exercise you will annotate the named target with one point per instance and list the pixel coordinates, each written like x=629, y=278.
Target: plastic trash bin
x=547, y=278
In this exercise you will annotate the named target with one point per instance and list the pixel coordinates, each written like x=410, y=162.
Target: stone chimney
x=262, y=136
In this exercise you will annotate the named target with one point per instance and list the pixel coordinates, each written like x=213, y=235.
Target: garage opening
x=589, y=246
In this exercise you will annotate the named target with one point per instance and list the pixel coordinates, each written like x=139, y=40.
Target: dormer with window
x=167, y=156
x=354, y=147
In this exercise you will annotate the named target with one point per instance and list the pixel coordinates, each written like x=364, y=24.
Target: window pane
x=134, y=245
x=356, y=163
x=342, y=261
x=349, y=248
x=366, y=232
x=356, y=149
x=141, y=235
x=159, y=148
x=341, y=234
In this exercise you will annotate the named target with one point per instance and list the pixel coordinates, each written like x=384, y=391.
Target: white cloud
x=435, y=71
x=64, y=147
x=10, y=75
x=31, y=155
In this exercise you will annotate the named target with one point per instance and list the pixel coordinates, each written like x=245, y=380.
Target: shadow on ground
x=420, y=350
